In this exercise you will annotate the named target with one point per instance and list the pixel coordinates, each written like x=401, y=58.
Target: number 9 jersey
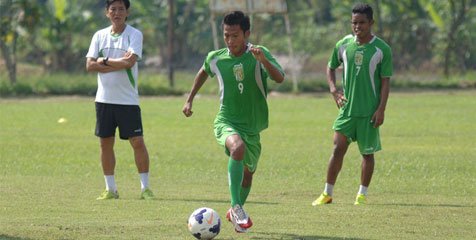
x=242, y=88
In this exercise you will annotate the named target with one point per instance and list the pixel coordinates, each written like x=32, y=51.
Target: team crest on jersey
x=359, y=57
x=239, y=72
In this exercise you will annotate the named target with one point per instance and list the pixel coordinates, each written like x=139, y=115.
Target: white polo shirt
x=118, y=87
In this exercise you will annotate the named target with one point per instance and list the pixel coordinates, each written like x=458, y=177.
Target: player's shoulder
x=133, y=31
x=345, y=40
x=103, y=32
x=380, y=43
x=217, y=53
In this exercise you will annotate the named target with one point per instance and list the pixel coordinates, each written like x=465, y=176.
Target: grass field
x=424, y=185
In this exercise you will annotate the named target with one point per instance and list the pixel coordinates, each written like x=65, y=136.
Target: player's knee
x=339, y=150
x=107, y=144
x=237, y=150
x=137, y=142
x=368, y=158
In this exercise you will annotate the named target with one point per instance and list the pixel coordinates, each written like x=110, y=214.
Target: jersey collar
x=248, y=45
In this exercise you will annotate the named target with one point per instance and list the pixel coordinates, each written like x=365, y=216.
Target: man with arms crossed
x=367, y=62
x=242, y=70
x=113, y=53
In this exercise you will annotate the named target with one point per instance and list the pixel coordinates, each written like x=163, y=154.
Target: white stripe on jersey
x=374, y=61
x=214, y=69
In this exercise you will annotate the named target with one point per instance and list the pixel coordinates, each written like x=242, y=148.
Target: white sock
x=363, y=190
x=144, y=180
x=328, y=189
x=110, y=183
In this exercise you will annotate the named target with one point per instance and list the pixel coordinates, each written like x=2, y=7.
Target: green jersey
x=364, y=66
x=243, y=88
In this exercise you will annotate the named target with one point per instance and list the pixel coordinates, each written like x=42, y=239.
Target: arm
x=200, y=79
x=125, y=62
x=379, y=116
x=273, y=71
x=93, y=65
x=336, y=93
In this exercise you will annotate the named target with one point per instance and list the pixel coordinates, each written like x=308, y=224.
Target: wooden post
x=170, y=43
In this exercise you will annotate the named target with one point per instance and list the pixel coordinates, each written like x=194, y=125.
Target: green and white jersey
x=243, y=88
x=364, y=66
x=118, y=87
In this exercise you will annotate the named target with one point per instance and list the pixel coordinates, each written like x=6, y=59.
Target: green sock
x=244, y=194
x=235, y=177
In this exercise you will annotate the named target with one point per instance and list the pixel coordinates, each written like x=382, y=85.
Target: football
x=204, y=223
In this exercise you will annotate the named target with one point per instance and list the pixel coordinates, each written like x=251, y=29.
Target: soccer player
x=242, y=70
x=367, y=62
x=113, y=53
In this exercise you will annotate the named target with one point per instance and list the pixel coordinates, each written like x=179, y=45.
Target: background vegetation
x=432, y=40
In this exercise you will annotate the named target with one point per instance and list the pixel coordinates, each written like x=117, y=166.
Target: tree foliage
x=56, y=33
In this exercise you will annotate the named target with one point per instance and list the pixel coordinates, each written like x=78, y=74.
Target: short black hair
x=126, y=2
x=363, y=8
x=237, y=18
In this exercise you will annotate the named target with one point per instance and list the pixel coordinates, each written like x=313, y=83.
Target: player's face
x=361, y=25
x=117, y=12
x=235, y=39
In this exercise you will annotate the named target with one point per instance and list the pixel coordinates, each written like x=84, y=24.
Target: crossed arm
x=113, y=64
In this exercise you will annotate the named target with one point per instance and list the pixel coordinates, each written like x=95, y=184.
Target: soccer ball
x=204, y=223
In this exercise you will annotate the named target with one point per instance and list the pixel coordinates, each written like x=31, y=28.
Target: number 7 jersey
x=242, y=88
x=364, y=66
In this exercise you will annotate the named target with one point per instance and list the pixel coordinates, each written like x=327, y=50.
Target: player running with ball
x=242, y=70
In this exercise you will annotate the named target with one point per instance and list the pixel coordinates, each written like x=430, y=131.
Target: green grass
x=424, y=185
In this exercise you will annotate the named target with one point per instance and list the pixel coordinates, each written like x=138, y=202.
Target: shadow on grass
x=3, y=236
x=287, y=236
x=423, y=205
x=219, y=201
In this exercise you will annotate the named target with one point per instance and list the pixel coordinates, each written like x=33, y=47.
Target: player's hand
x=377, y=118
x=187, y=109
x=258, y=54
x=128, y=54
x=339, y=98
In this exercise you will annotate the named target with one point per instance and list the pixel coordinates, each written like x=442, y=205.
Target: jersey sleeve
x=93, y=51
x=386, y=67
x=334, y=61
x=272, y=60
x=206, y=65
x=135, y=45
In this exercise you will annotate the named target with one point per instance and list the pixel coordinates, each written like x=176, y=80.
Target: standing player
x=113, y=53
x=242, y=70
x=367, y=62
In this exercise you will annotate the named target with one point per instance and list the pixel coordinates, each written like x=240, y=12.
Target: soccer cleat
x=108, y=195
x=237, y=227
x=360, y=199
x=323, y=199
x=239, y=215
x=147, y=194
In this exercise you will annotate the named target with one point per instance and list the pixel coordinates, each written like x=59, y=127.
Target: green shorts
x=252, y=142
x=359, y=129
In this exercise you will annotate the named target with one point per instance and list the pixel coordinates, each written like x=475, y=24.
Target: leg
x=367, y=169
x=108, y=159
x=237, y=149
x=246, y=185
x=236, y=146
x=108, y=162
x=141, y=155
x=335, y=162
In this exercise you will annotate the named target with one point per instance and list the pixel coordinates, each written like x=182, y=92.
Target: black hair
x=126, y=2
x=363, y=8
x=237, y=18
